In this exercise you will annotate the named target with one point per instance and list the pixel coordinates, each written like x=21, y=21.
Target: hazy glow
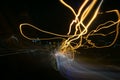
x=78, y=34
x=73, y=70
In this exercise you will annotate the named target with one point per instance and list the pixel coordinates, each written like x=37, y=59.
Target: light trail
x=84, y=18
x=27, y=24
x=79, y=35
x=83, y=34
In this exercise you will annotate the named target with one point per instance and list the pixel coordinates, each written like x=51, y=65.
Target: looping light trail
x=27, y=24
x=86, y=15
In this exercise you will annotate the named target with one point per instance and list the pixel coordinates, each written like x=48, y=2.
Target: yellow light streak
x=27, y=24
x=74, y=41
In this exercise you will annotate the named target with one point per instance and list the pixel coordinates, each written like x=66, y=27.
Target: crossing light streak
x=78, y=34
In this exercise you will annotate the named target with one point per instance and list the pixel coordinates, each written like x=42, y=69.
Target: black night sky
x=49, y=15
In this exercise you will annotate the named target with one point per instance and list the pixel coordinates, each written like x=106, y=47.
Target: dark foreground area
x=35, y=61
x=28, y=66
x=39, y=64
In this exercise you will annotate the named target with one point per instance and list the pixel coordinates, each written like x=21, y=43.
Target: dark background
x=49, y=15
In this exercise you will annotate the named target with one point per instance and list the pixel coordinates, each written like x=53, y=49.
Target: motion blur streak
x=82, y=71
x=81, y=29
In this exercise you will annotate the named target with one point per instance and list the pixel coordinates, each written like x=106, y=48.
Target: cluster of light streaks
x=81, y=29
x=78, y=34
